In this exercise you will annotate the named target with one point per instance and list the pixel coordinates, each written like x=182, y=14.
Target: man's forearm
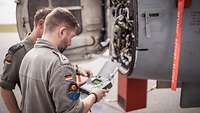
x=88, y=102
x=10, y=100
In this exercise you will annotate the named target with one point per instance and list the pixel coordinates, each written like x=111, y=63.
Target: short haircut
x=41, y=14
x=61, y=16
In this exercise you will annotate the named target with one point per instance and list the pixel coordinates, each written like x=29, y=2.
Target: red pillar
x=132, y=93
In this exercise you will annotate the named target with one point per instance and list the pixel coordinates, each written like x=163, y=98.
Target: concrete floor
x=158, y=101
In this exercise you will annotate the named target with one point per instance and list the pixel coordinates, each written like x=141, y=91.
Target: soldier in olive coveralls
x=13, y=58
x=44, y=68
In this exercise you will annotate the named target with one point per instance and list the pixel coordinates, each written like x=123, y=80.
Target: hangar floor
x=158, y=101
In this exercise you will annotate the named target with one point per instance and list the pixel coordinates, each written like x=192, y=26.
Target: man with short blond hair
x=43, y=71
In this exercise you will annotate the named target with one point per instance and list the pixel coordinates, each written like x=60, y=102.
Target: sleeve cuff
x=7, y=85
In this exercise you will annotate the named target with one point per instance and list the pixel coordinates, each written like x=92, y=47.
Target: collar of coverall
x=45, y=43
x=28, y=43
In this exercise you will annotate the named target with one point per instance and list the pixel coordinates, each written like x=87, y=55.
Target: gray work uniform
x=42, y=77
x=12, y=62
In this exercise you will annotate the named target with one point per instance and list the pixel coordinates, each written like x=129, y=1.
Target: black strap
x=96, y=97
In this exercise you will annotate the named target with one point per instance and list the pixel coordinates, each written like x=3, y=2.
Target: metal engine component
x=124, y=35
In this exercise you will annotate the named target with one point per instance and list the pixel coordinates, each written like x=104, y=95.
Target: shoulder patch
x=73, y=91
x=13, y=49
x=8, y=59
x=63, y=59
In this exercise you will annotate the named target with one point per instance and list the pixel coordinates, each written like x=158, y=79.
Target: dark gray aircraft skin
x=139, y=33
x=157, y=34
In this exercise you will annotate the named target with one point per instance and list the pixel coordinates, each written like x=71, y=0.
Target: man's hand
x=82, y=75
x=99, y=93
x=84, y=72
x=95, y=96
x=80, y=80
